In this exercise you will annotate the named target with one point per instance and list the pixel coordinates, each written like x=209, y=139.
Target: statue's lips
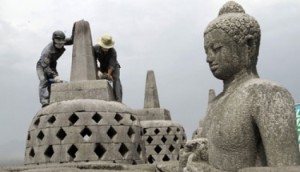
x=213, y=67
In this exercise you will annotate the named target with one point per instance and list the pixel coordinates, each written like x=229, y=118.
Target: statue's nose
x=209, y=57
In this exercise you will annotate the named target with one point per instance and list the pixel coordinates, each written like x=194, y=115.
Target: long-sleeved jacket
x=49, y=57
x=107, y=60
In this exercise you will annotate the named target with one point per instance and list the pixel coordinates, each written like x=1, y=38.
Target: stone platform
x=149, y=114
x=91, y=89
x=81, y=167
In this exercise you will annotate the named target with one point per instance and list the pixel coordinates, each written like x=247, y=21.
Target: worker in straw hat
x=109, y=66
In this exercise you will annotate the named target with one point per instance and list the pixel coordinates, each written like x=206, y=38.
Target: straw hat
x=106, y=41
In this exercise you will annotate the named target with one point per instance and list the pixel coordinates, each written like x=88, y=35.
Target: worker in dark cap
x=46, y=66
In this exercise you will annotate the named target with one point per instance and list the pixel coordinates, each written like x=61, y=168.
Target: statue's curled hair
x=236, y=23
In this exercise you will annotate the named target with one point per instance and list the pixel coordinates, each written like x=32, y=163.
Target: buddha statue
x=252, y=121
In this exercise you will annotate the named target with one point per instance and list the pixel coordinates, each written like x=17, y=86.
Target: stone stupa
x=84, y=125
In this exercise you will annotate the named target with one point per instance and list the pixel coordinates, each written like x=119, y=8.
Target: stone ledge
x=271, y=169
x=88, y=167
x=153, y=114
x=91, y=89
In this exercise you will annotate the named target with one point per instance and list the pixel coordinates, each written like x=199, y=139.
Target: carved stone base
x=85, y=130
x=93, y=89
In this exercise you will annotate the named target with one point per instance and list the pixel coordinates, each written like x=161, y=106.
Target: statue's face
x=224, y=56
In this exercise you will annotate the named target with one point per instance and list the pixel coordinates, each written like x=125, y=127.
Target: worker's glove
x=57, y=79
x=109, y=77
x=104, y=76
x=100, y=74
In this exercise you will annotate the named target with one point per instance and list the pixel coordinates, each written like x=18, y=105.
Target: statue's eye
x=206, y=50
x=217, y=47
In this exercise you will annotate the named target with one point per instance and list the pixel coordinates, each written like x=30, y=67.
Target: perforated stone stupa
x=162, y=137
x=84, y=123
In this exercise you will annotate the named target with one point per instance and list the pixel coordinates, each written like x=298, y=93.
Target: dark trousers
x=117, y=86
x=44, y=86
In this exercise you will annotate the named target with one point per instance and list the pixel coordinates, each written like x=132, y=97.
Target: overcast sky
x=161, y=35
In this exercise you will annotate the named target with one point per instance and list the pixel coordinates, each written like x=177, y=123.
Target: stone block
x=121, y=134
x=56, y=157
x=112, y=152
x=85, y=105
x=53, y=169
x=50, y=136
x=85, y=118
x=138, y=161
x=43, y=121
x=66, y=151
x=93, y=89
x=29, y=156
x=104, y=134
x=113, y=118
x=37, y=137
x=158, y=140
x=157, y=149
x=159, y=158
x=85, y=152
x=153, y=114
x=129, y=162
x=29, y=141
x=35, y=123
x=137, y=135
x=138, y=151
x=40, y=154
x=59, y=120
x=72, y=135
x=271, y=169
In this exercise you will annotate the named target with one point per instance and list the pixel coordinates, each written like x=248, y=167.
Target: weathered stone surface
x=85, y=130
x=84, y=167
x=83, y=61
x=163, y=140
x=84, y=105
x=54, y=169
x=161, y=123
x=195, y=150
x=252, y=121
x=151, y=94
x=153, y=114
x=96, y=89
x=271, y=169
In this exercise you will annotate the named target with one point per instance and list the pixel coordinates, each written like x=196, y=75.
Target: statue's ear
x=251, y=47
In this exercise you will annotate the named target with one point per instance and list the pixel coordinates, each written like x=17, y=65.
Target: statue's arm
x=276, y=121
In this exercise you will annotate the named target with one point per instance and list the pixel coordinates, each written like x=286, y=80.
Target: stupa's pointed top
x=83, y=61
x=151, y=94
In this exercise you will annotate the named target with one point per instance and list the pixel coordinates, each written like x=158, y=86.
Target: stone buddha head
x=231, y=42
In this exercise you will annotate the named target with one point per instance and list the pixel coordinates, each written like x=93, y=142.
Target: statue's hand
x=198, y=148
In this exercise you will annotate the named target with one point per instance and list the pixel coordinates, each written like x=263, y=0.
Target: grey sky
x=162, y=35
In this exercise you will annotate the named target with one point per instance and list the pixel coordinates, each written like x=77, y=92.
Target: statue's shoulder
x=264, y=87
x=254, y=82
